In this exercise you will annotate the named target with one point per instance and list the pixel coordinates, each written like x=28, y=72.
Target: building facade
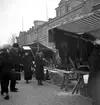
x=66, y=11
x=22, y=38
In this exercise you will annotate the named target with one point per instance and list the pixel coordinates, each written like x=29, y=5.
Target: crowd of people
x=12, y=62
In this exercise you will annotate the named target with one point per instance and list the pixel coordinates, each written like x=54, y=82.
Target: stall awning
x=41, y=47
x=83, y=24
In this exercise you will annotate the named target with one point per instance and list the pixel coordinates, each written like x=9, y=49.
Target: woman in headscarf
x=39, y=68
x=27, y=62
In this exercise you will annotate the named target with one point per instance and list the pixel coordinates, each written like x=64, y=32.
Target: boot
x=6, y=97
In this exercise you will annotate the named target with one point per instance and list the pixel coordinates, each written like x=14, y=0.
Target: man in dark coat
x=94, y=76
x=5, y=72
x=16, y=65
x=27, y=62
x=39, y=68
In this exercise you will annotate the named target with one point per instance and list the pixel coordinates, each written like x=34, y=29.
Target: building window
x=69, y=7
x=62, y=9
x=58, y=12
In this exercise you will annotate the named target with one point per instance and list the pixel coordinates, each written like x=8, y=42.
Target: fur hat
x=16, y=45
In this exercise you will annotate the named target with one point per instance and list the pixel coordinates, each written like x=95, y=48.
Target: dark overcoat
x=6, y=65
x=94, y=76
x=27, y=62
x=39, y=70
x=5, y=70
x=16, y=59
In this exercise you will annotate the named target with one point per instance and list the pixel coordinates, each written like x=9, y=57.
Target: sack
x=15, y=75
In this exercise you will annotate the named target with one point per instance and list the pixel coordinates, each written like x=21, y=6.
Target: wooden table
x=61, y=73
x=73, y=70
x=57, y=70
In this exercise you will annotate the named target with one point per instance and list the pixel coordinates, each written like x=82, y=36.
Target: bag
x=15, y=75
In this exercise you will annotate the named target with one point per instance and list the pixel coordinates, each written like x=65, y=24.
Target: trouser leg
x=38, y=82
x=41, y=82
x=12, y=84
x=6, y=90
x=2, y=89
x=4, y=86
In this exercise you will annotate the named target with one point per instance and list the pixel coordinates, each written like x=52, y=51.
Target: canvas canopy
x=74, y=39
x=84, y=24
x=48, y=52
x=40, y=47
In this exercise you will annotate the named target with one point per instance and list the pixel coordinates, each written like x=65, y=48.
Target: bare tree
x=12, y=39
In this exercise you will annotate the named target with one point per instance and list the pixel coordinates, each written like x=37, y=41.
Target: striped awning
x=83, y=24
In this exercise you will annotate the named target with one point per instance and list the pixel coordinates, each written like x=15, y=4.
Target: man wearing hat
x=16, y=65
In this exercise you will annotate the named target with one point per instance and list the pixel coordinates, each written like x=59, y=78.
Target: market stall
x=40, y=47
x=77, y=47
x=76, y=40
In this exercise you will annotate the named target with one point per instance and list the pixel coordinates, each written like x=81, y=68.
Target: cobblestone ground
x=32, y=94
